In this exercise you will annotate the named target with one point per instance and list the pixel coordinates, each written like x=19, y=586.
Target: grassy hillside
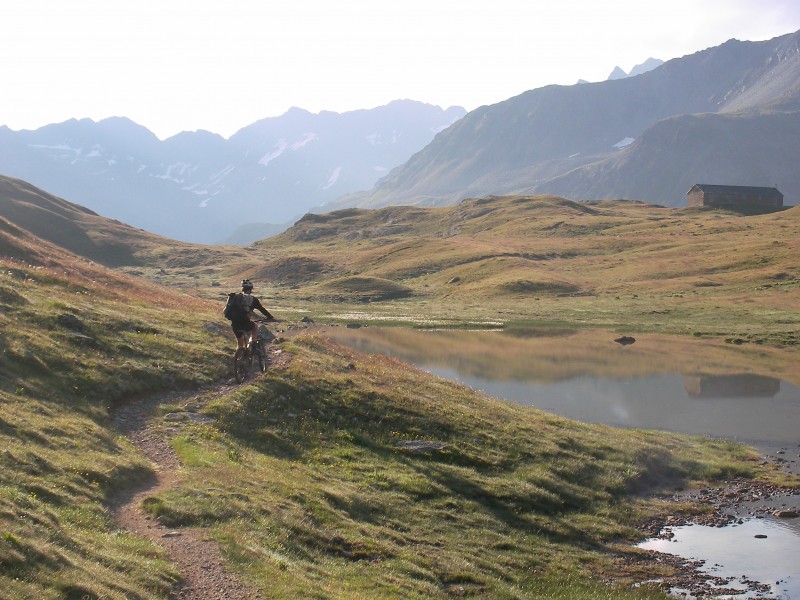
x=543, y=259
x=106, y=241
x=347, y=476
x=512, y=261
x=75, y=339
x=314, y=480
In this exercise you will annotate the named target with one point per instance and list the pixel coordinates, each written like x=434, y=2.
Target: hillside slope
x=503, y=259
x=519, y=145
x=77, y=339
x=675, y=153
x=87, y=234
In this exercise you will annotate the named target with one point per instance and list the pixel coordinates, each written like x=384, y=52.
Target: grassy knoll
x=74, y=340
x=533, y=261
x=305, y=480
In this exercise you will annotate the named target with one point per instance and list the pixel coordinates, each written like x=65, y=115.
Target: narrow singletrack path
x=204, y=575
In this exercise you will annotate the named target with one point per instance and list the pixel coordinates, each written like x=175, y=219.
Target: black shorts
x=239, y=326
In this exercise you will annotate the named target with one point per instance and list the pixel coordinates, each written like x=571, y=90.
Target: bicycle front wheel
x=241, y=365
x=262, y=359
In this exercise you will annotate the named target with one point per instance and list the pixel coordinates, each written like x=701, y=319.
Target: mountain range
x=198, y=186
x=727, y=115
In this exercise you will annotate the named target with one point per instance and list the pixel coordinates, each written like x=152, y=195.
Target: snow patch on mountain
x=204, y=203
x=333, y=178
x=193, y=190
x=219, y=175
x=280, y=146
x=308, y=137
x=177, y=172
x=624, y=142
x=63, y=147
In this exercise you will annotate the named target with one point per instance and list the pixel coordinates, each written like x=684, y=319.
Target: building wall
x=694, y=198
x=700, y=198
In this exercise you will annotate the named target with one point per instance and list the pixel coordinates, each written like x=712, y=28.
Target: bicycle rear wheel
x=241, y=365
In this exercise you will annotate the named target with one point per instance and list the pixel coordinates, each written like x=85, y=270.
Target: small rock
x=786, y=514
x=625, y=340
x=176, y=416
x=195, y=418
x=81, y=338
x=421, y=446
x=171, y=534
x=70, y=322
x=760, y=536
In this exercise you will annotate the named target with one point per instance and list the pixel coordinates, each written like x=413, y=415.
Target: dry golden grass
x=549, y=260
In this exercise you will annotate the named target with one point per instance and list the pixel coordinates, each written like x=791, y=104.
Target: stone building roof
x=737, y=189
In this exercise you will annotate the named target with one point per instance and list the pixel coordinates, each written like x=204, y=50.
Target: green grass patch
x=72, y=348
x=309, y=481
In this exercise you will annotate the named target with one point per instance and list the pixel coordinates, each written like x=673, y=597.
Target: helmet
x=247, y=284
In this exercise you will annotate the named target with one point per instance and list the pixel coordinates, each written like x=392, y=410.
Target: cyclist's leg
x=239, y=332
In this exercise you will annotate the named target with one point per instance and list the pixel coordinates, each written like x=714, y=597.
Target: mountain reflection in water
x=656, y=383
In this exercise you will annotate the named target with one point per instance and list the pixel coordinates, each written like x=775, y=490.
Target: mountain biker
x=246, y=303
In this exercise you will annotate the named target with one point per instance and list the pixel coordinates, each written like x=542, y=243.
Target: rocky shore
x=727, y=504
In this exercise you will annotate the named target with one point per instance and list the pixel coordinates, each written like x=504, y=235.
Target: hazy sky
x=174, y=65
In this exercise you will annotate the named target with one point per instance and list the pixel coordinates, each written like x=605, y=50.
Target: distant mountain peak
x=617, y=73
x=648, y=65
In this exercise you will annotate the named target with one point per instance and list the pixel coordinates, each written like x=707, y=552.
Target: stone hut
x=735, y=197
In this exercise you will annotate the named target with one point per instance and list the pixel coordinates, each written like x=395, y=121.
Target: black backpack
x=233, y=307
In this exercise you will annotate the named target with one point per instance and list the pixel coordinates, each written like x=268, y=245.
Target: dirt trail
x=203, y=571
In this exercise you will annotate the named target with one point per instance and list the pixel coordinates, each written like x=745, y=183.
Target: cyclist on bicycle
x=244, y=303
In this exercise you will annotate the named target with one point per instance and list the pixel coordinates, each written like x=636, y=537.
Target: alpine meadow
x=133, y=466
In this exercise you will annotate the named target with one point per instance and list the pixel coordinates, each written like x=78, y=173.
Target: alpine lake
x=746, y=393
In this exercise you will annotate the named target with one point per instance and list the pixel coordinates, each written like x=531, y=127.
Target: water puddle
x=755, y=559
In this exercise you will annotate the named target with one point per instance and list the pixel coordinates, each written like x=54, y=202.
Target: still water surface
x=735, y=553
x=680, y=386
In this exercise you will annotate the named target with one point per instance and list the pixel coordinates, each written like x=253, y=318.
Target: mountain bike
x=252, y=353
